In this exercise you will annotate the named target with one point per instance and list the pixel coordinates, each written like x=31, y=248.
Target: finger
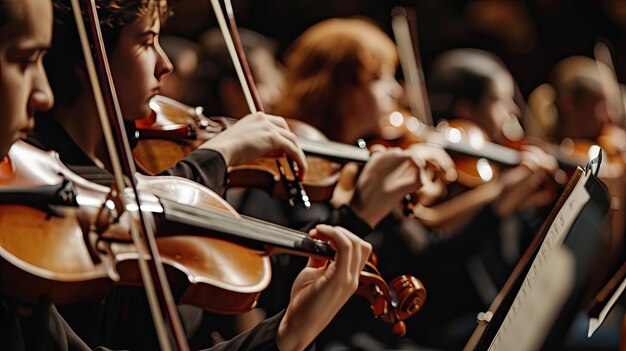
x=377, y=148
x=342, y=245
x=349, y=173
x=278, y=121
x=446, y=161
x=292, y=150
x=361, y=249
x=416, y=158
x=286, y=133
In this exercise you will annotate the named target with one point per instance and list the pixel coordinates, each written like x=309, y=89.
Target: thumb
x=349, y=173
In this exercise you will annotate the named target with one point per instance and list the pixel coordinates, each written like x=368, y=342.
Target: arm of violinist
x=322, y=288
x=438, y=171
x=391, y=174
x=516, y=188
x=254, y=136
x=317, y=294
x=455, y=212
x=522, y=186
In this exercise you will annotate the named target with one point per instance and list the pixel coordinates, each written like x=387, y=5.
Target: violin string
x=251, y=226
x=246, y=228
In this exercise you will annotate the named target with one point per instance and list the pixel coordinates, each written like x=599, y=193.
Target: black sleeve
x=60, y=329
x=203, y=166
x=260, y=338
x=465, y=241
x=344, y=217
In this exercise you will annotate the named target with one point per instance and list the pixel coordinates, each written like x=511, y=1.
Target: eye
x=29, y=56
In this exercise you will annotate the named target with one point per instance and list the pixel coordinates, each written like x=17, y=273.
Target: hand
x=439, y=170
x=257, y=135
x=391, y=174
x=322, y=288
x=522, y=186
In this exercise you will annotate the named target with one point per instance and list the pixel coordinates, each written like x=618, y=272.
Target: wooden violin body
x=72, y=262
x=81, y=252
x=59, y=267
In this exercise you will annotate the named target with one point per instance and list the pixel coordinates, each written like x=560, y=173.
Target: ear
x=543, y=116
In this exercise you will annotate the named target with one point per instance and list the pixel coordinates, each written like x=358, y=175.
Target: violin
x=216, y=259
x=174, y=130
x=477, y=158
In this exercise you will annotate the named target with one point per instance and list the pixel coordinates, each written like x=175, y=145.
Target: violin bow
x=411, y=62
x=295, y=191
x=124, y=172
x=602, y=53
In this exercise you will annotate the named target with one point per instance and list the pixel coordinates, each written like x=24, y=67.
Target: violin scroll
x=393, y=302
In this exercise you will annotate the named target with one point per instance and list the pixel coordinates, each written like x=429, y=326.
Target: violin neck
x=334, y=151
x=250, y=232
x=488, y=150
x=327, y=149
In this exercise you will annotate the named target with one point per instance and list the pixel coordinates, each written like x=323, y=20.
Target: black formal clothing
x=41, y=328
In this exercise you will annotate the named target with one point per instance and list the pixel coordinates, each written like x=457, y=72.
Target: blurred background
x=530, y=36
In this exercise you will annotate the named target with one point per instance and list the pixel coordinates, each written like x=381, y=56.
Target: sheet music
x=539, y=298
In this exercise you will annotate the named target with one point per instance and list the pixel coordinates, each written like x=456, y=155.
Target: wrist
x=287, y=339
x=368, y=216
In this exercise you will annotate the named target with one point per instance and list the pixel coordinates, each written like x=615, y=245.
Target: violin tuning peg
x=379, y=307
x=399, y=328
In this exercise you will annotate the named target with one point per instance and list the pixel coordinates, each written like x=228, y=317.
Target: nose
x=41, y=97
x=164, y=65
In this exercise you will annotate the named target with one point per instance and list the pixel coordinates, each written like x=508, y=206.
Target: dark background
x=530, y=36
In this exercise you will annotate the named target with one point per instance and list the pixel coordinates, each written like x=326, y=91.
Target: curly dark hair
x=5, y=13
x=66, y=52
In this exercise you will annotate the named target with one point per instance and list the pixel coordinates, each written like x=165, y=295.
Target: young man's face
x=138, y=63
x=24, y=86
x=497, y=106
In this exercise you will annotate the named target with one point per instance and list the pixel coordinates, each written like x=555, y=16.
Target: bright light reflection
x=453, y=135
x=396, y=119
x=89, y=201
x=484, y=169
x=187, y=195
x=154, y=106
x=593, y=151
x=145, y=208
x=476, y=139
x=412, y=124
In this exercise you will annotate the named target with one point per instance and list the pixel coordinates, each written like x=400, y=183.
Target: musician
x=24, y=37
x=585, y=101
x=475, y=85
x=340, y=78
x=25, y=34
x=138, y=64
